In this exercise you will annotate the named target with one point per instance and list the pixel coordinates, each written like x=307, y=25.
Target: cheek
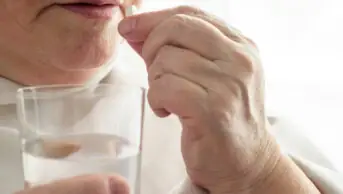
x=23, y=12
x=58, y=38
x=14, y=31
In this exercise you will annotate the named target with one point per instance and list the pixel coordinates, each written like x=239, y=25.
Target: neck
x=28, y=74
x=31, y=77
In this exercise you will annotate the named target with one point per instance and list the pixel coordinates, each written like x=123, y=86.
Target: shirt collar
x=8, y=90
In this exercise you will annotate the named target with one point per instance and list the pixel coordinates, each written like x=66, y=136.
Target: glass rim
x=27, y=92
x=9, y=130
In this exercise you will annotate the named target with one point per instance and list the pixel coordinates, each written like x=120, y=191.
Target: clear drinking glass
x=75, y=130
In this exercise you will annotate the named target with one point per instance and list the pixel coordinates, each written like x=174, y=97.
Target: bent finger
x=138, y=27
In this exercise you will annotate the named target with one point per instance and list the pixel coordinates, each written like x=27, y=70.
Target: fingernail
x=127, y=26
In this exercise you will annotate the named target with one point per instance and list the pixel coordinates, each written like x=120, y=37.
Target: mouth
x=93, y=9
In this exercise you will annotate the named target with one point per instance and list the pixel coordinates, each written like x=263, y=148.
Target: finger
x=138, y=27
x=189, y=102
x=176, y=95
x=190, y=33
x=192, y=67
x=92, y=184
x=217, y=79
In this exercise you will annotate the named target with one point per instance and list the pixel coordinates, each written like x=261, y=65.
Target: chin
x=87, y=56
x=72, y=42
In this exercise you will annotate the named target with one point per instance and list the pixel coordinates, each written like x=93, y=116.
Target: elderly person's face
x=59, y=33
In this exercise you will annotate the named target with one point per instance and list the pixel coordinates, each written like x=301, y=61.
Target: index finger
x=92, y=184
x=135, y=29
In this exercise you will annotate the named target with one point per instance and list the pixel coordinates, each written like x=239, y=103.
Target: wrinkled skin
x=51, y=45
x=210, y=76
x=200, y=69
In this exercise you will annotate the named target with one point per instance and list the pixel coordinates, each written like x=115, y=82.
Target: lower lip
x=95, y=12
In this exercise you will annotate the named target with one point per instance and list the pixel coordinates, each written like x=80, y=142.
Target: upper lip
x=94, y=2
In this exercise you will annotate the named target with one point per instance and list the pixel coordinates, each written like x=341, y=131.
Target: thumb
x=91, y=184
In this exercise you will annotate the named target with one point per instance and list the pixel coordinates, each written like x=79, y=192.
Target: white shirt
x=162, y=157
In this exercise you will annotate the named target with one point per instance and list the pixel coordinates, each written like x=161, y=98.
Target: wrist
x=264, y=166
x=286, y=178
x=277, y=173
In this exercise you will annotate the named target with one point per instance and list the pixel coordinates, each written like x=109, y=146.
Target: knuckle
x=178, y=23
x=163, y=57
x=164, y=52
x=235, y=88
x=159, y=65
x=247, y=61
x=153, y=74
x=156, y=93
x=236, y=91
x=189, y=10
x=234, y=34
x=252, y=43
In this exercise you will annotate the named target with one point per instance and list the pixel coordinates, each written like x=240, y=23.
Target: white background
x=301, y=47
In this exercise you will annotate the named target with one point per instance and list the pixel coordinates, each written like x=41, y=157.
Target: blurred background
x=301, y=47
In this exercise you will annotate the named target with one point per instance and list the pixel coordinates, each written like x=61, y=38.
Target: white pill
x=130, y=10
